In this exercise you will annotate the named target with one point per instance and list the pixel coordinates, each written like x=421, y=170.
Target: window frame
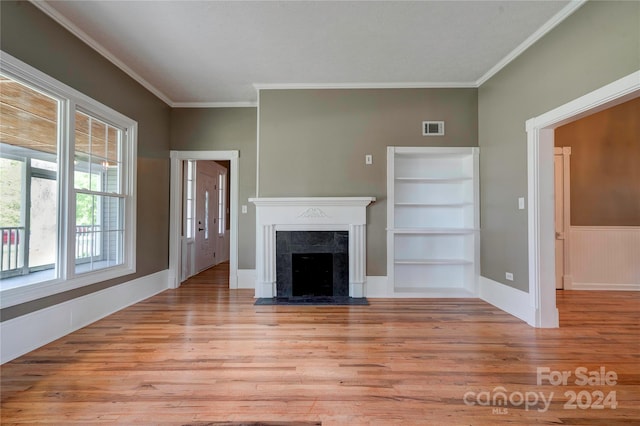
x=70, y=100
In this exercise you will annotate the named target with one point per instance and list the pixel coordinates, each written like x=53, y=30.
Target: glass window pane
x=11, y=211
x=43, y=235
x=45, y=165
x=111, y=176
x=99, y=232
x=206, y=215
x=28, y=203
x=98, y=154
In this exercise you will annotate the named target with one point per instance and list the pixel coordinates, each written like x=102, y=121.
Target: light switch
x=368, y=159
x=521, y=203
x=244, y=208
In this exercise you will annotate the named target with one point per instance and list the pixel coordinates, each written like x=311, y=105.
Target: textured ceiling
x=215, y=52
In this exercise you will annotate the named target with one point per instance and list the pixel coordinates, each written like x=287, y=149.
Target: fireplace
x=334, y=226
x=312, y=264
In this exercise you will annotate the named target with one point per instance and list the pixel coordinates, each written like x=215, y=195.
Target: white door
x=562, y=218
x=206, y=232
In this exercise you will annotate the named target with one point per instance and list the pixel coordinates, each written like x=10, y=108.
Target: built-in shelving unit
x=432, y=221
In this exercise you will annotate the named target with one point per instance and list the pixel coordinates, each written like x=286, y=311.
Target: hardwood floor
x=203, y=354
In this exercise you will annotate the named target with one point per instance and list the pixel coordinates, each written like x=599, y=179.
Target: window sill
x=17, y=294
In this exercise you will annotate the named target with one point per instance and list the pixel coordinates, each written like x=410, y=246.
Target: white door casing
x=175, y=212
x=540, y=144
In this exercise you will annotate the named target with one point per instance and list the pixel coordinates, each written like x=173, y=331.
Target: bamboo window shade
x=28, y=118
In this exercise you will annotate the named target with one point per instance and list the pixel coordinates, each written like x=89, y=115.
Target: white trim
x=320, y=201
x=214, y=104
x=381, y=85
x=532, y=39
x=377, y=286
x=84, y=37
x=175, y=213
x=605, y=286
x=247, y=279
x=513, y=301
x=28, y=332
x=541, y=235
x=258, y=147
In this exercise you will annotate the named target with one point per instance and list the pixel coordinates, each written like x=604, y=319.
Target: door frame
x=541, y=227
x=175, y=211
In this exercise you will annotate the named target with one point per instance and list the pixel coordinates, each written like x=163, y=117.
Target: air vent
x=432, y=128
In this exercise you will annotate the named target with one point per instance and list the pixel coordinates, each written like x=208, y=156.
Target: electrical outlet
x=509, y=276
x=368, y=159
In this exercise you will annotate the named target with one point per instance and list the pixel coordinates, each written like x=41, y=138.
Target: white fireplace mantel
x=310, y=214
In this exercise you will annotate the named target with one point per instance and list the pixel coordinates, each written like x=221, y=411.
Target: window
x=67, y=199
x=221, y=203
x=189, y=206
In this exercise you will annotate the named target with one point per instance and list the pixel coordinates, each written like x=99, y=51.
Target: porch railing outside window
x=12, y=249
x=88, y=242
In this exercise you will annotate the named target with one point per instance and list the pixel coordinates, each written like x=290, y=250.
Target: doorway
x=540, y=166
x=204, y=219
x=177, y=252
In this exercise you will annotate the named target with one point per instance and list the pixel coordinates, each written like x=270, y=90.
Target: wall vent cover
x=432, y=128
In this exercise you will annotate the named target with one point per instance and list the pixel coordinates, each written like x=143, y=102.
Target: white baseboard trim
x=604, y=286
x=23, y=334
x=247, y=278
x=512, y=301
x=377, y=286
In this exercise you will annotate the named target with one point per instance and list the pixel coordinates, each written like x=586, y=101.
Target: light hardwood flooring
x=202, y=354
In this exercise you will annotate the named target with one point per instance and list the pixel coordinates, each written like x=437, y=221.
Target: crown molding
x=215, y=104
x=541, y=32
x=323, y=86
x=84, y=37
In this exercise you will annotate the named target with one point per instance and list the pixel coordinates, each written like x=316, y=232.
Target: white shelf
x=435, y=231
x=433, y=205
x=432, y=262
x=433, y=179
x=432, y=221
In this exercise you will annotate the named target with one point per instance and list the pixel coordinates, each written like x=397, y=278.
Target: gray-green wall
x=313, y=143
x=598, y=44
x=221, y=129
x=31, y=36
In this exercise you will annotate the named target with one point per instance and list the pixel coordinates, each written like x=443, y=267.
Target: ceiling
x=216, y=53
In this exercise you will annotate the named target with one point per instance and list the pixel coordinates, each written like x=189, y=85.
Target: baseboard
x=247, y=278
x=23, y=334
x=604, y=286
x=377, y=286
x=511, y=300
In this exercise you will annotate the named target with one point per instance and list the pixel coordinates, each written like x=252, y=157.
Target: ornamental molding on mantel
x=313, y=201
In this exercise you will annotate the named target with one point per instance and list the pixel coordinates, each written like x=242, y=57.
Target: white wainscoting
x=605, y=258
x=23, y=334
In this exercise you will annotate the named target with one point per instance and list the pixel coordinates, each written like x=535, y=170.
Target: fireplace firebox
x=312, y=264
